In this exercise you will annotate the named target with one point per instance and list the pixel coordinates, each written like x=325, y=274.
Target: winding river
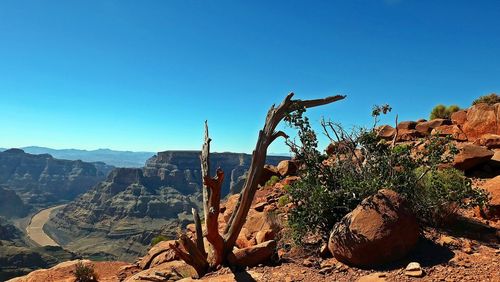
x=35, y=228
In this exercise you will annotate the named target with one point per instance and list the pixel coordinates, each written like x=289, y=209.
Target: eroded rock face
x=181, y=169
x=380, y=230
x=482, y=119
x=426, y=127
x=471, y=156
x=41, y=180
x=11, y=205
x=492, y=186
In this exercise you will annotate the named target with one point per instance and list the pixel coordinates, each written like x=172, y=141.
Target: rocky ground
x=468, y=250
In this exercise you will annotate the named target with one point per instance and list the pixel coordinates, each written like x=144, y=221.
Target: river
x=35, y=228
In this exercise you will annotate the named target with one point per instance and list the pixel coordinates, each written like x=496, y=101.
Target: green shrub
x=440, y=193
x=283, y=200
x=490, y=99
x=158, y=239
x=326, y=193
x=273, y=180
x=85, y=273
x=441, y=111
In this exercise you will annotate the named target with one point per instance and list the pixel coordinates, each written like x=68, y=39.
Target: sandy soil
x=35, y=228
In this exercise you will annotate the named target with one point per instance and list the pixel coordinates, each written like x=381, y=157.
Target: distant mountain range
x=110, y=157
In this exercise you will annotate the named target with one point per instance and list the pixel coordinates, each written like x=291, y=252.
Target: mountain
x=119, y=216
x=110, y=157
x=11, y=204
x=42, y=180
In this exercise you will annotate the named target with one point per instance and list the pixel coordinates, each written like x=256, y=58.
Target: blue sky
x=144, y=75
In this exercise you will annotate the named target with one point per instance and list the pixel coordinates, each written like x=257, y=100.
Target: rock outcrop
x=380, y=230
x=11, y=205
x=492, y=186
x=41, y=180
x=471, y=156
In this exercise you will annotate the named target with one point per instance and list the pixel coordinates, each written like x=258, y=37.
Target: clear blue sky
x=144, y=75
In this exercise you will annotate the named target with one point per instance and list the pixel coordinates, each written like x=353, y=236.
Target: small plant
x=85, y=273
x=283, y=200
x=441, y=111
x=158, y=239
x=273, y=180
x=490, y=99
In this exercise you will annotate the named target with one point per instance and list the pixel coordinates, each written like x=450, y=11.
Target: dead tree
x=221, y=245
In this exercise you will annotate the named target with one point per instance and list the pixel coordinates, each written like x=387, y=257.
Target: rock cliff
x=42, y=180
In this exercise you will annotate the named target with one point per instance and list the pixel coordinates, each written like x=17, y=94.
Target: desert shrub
x=158, y=239
x=328, y=190
x=441, y=193
x=490, y=99
x=273, y=180
x=283, y=200
x=441, y=111
x=85, y=273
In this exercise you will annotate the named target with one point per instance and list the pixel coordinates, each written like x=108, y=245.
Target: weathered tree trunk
x=221, y=247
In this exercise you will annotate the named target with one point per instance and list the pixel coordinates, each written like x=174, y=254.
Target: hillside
x=42, y=180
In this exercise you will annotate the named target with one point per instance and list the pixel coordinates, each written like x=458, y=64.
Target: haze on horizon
x=144, y=76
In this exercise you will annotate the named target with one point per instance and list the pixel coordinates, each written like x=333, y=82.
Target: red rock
x=64, y=272
x=496, y=156
x=492, y=186
x=482, y=119
x=290, y=179
x=471, y=156
x=265, y=235
x=406, y=125
x=162, y=247
x=380, y=230
x=426, y=127
x=268, y=171
x=459, y=117
x=254, y=255
x=287, y=168
x=386, y=132
x=453, y=130
x=337, y=147
x=408, y=135
x=170, y=269
x=488, y=140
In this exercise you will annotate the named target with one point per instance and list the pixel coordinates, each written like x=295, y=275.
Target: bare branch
x=274, y=116
x=205, y=168
x=277, y=135
x=199, y=232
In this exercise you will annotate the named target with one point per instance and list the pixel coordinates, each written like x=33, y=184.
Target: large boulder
x=287, y=168
x=489, y=140
x=386, y=132
x=380, y=230
x=158, y=254
x=254, y=255
x=427, y=126
x=492, y=186
x=459, y=117
x=268, y=171
x=482, y=119
x=471, y=156
x=406, y=125
x=452, y=130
